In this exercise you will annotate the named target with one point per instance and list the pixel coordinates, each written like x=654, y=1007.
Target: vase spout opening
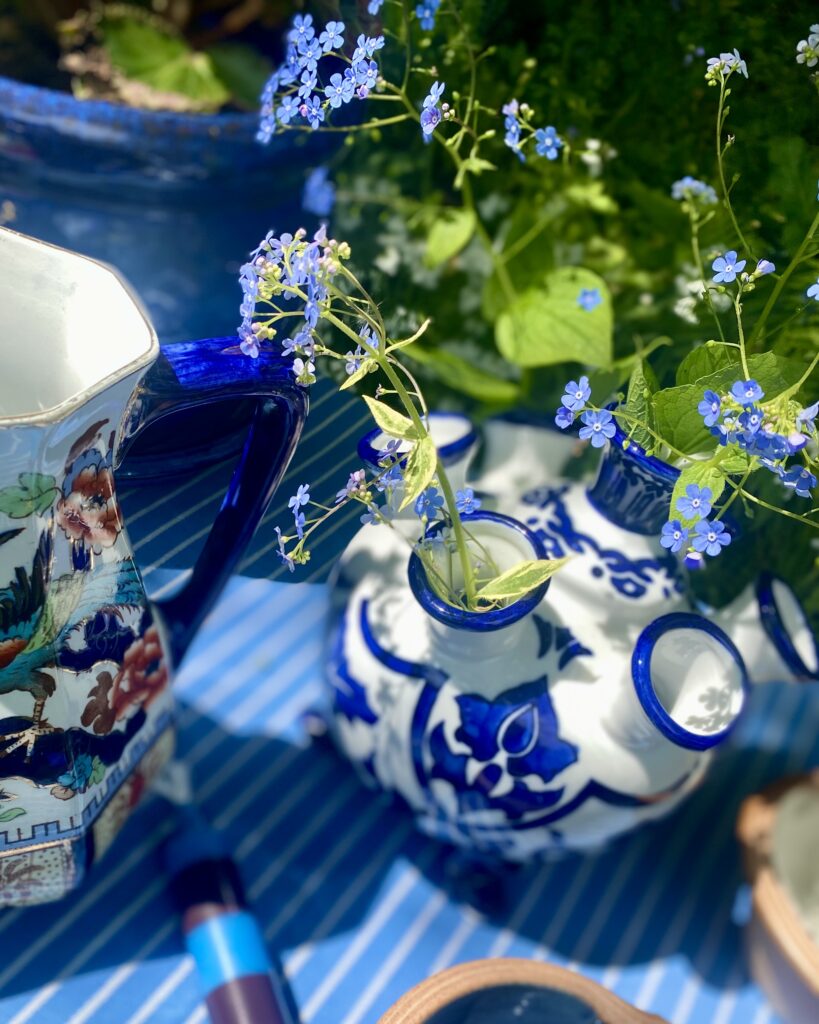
x=508, y=542
x=689, y=679
x=787, y=627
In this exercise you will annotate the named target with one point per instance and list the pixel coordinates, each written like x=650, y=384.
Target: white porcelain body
x=543, y=735
x=513, y=743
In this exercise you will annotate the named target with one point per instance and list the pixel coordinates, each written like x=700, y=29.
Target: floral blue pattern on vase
x=517, y=732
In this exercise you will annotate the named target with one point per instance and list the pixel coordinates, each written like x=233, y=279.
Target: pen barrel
x=233, y=966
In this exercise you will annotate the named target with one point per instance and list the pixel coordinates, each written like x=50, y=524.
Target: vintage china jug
x=574, y=714
x=85, y=656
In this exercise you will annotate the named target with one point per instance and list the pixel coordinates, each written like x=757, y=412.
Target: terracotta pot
x=784, y=959
x=422, y=1004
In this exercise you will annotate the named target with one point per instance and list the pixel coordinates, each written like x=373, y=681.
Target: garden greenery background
x=623, y=83
x=631, y=77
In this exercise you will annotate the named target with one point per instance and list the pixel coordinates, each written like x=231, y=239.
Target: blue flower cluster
x=355, y=359
x=287, y=266
x=709, y=536
x=294, y=94
x=598, y=424
x=772, y=434
x=547, y=142
x=718, y=69
x=319, y=195
x=693, y=190
x=425, y=13
x=431, y=113
x=295, y=504
x=727, y=266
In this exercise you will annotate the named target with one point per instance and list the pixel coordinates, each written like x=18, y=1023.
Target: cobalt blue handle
x=211, y=372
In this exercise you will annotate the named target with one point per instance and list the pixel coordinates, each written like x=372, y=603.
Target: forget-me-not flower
x=709, y=407
x=548, y=143
x=564, y=417
x=431, y=112
x=577, y=393
x=800, y=479
x=727, y=267
x=589, y=298
x=466, y=502
x=425, y=12
x=319, y=194
x=673, y=535
x=746, y=392
x=598, y=427
x=429, y=503
x=710, y=537
x=332, y=38
x=696, y=502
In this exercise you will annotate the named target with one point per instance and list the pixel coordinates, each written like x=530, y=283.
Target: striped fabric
x=356, y=904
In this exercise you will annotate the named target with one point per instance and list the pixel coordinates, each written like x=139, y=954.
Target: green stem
x=460, y=537
x=695, y=249
x=783, y=279
x=741, y=333
x=726, y=196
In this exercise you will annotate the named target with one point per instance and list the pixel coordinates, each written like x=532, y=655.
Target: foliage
x=583, y=258
x=306, y=290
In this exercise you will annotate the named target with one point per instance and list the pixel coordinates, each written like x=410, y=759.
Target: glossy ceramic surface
x=85, y=657
x=569, y=717
x=174, y=201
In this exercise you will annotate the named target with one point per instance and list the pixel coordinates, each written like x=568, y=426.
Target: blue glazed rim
x=447, y=453
x=16, y=96
x=61, y=134
x=650, y=702
x=477, y=622
x=774, y=626
x=658, y=467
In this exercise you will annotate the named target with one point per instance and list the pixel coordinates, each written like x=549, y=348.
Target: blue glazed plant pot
x=174, y=201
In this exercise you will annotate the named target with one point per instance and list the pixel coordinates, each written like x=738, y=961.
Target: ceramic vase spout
x=769, y=625
x=688, y=685
x=492, y=726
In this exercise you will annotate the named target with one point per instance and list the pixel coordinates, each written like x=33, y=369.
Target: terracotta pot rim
x=439, y=991
x=771, y=903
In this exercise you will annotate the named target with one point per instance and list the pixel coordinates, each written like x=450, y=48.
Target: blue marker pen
x=221, y=934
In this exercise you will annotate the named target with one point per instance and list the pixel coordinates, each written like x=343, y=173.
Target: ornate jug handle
x=186, y=377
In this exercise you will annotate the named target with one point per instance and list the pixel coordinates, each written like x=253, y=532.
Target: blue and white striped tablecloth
x=356, y=904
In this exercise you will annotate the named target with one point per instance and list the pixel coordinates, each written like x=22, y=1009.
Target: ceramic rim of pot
x=771, y=902
x=645, y=688
x=447, y=453
x=653, y=465
x=421, y=1003
x=773, y=622
x=14, y=93
x=478, y=622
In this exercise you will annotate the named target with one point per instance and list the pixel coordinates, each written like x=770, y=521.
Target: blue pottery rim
x=65, y=104
x=447, y=453
x=650, y=702
x=65, y=138
x=477, y=622
x=658, y=467
x=774, y=626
